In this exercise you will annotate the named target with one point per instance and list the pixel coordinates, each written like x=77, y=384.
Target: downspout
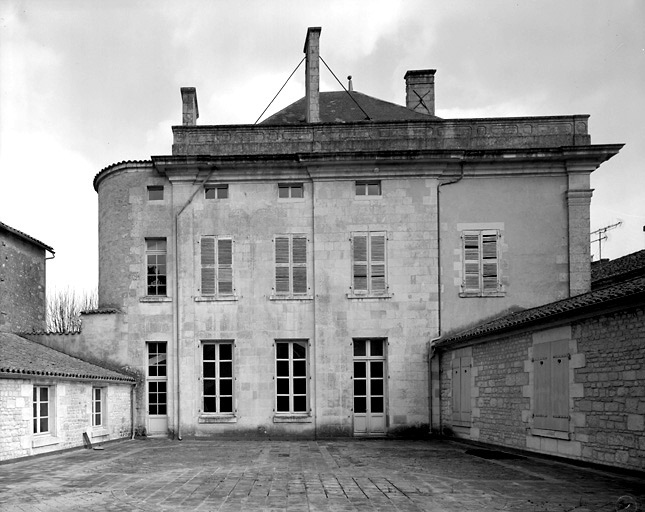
x=314, y=346
x=132, y=409
x=176, y=301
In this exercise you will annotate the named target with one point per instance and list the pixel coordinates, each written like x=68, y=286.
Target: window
x=461, y=389
x=291, y=377
x=216, y=266
x=98, y=400
x=290, y=190
x=155, y=193
x=368, y=263
x=217, y=374
x=291, y=265
x=551, y=385
x=368, y=188
x=157, y=378
x=216, y=192
x=481, y=274
x=42, y=409
x=156, y=266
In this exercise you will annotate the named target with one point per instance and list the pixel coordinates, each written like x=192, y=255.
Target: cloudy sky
x=84, y=84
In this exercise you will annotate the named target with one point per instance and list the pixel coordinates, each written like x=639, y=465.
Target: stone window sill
x=223, y=298
x=368, y=198
x=153, y=299
x=99, y=432
x=292, y=418
x=291, y=298
x=368, y=296
x=464, y=295
x=230, y=418
x=46, y=440
x=555, y=434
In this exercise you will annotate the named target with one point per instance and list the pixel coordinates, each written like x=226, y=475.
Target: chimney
x=189, y=108
x=312, y=75
x=419, y=90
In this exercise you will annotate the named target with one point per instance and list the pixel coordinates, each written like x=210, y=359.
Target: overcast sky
x=85, y=84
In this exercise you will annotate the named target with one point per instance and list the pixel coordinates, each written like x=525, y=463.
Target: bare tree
x=64, y=309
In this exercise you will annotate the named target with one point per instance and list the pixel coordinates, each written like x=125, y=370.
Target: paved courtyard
x=351, y=475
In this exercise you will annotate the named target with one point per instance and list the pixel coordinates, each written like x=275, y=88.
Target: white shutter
x=471, y=254
x=299, y=264
x=490, y=277
x=377, y=263
x=282, y=264
x=359, y=262
x=225, y=266
x=208, y=265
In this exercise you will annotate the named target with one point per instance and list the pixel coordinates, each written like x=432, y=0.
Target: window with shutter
x=216, y=257
x=551, y=385
x=480, y=256
x=291, y=265
x=369, y=263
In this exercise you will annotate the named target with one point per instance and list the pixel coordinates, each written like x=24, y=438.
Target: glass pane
x=360, y=189
x=209, y=193
x=299, y=386
x=376, y=347
x=161, y=371
x=359, y=348
x=161, y=408
x=209, y=369
x=222, y=192
x=376, y=404
x=283, y=404
x=299, y=404
x=374, y=189
x=35, y=394
x=282, y=386
x=44, y=409
x=43, y=394
x=226, y=404
x=152, y=387
x=283, y=191
x=226, y=387
x=282, y=350
x=35, y=426
x=376, y=386
x=97, y=420
x=359, y=369
x=297, y=191
x=299, y=350
x=376, y=369
x=300, y=368
x=226, y=351
x=226, y=369
x=209, y=387
x=359, y=387
x=161, y=398
x=360, y=404
x=282, y=368
x=44, y=425
x=210, y=404
x=35, y=413
x=209, y=352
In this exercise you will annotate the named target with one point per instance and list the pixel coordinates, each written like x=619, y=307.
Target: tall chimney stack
x=419, y=90
x=312, y=75
x=189, y=108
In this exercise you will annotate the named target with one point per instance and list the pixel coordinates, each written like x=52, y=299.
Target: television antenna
x=602, y=235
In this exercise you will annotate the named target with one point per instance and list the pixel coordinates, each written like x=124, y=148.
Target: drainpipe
x=314, y=346
x=176, y=301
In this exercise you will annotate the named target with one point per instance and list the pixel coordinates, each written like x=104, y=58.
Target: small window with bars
x=291, y=265
x=216, y=256
x=369, y=263
x=480, y=256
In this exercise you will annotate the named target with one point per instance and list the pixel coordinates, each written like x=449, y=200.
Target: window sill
x=368, y=198
x=354, y=296
x=291, y=199
x=291, y=297
x=481, y=295
x=46, y=440
x=217, y=419
x=555, y=434
x=223, y=298
x=100, y=432
x=153, y=299
x=292, y=418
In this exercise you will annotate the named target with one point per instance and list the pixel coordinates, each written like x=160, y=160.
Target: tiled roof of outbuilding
x=20, y=356
x=572, y=305
x=25, y=237
x=605, y=272
x=339, y=107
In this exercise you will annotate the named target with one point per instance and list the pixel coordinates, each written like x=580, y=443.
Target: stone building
x=284, y=278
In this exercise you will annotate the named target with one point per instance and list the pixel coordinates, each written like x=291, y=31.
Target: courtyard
x=330, y=475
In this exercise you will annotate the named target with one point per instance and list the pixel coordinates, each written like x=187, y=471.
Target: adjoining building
x=284, y=278
x=566, y=378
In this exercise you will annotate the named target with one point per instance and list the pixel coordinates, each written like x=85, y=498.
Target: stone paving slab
x=347, y=475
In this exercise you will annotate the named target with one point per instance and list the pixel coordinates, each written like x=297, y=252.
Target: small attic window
x=155, y=193
x=368, y=188
x=216, y=192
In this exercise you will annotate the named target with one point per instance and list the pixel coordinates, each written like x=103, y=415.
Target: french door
x=369, y=387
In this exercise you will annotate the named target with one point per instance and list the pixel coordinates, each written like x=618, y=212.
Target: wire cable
x=367, y=117
x=256, y=121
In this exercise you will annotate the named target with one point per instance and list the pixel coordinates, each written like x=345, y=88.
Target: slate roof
x=25, y=237
x=607, y=272
x=562, y=308
x=339, y=107
x=20, y=356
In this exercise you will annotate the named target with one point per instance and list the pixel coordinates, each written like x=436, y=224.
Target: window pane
x=376, y=369
x=209, y=352
x=299, y=404
x=222, y=192
x=283, y=191
x=282, y=404
x=44, y=393
x=376, y=386
x=359, y=348
x=360, y=404
x=300, y=368
x=359, y=369
x=209, y=192
x=300, y=386
x=299, y=350
x=361, y=189
x=374, y=189
x=359, y=387
x=376, y=347
x=226, y=387
x=155, y=193
x=210, y=404
x=209, y=387
x=282, y=386
x=209, y=369
x=161, y=408
x=282, y=350
x=44, y=409
x=226, y=369
x=226, y=404
x=297, y=191
x=376, y=404
x=44, y=425
x=282, y=368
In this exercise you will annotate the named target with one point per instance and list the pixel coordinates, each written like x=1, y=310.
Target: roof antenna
x=350, y=87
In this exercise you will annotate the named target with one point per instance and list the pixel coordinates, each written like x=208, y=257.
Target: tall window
x=217, y=374
x=368, y=263
x=291, y=265
x=98, y=397
x=551, y=385
x=368, y=188
x=216, y=265
x=291, y=377
x=156, y=266
x=42, y=409
x=481, y=274
x=290, y=190
x=157, y=378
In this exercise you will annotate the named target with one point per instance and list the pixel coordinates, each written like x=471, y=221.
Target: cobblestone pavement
x=352, y=475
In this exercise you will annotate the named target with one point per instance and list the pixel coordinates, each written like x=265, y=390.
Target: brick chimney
x=419, y=90
x=312, y=75
x=189, y=108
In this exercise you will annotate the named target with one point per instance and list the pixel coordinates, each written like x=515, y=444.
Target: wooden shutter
x=490, y=280
x=461, y=389
x=471, y=254
x=377, y=263
x=282, y=264
x=225, y=266
x=359, y=263
x=456, y=389
x=560, y=385
x=542, y=384
x=208, y=265
x=299, y=264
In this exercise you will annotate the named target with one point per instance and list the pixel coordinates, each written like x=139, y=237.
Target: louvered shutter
x=359, y=263
x=559, y=385
x=542, y=384
x=282, y=281
x=299, y=264
x=208, y=265
x=377, y=263
x=464, y=374
x=490, y=280
x=456, y=389
x=471, y=254
x=225, y=266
